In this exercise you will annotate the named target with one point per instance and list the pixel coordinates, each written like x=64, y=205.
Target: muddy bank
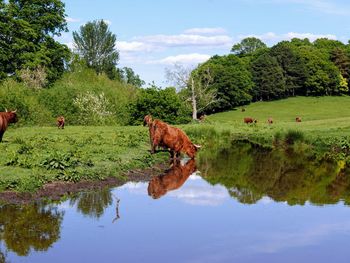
x=55, y=190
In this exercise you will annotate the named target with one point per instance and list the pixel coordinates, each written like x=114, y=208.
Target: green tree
x=27, y=31
x=95, y=43
x=231, y=81
x=247, y=46
x=128, y=76
x=268, y=78
x=164, y=104
x=294, y=71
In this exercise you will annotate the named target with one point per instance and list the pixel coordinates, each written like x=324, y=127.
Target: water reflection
x=172, y=179
x=26, y=227
x=92, y=203
x=250, y=173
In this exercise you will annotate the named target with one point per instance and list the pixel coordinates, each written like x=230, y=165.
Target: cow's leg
x=1, y=134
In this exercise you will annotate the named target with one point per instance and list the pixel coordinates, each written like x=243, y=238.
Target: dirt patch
x=55, y=190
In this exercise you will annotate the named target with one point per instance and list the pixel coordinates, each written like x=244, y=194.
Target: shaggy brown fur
x=6, y=118
x=249, y=120
x=173, y=138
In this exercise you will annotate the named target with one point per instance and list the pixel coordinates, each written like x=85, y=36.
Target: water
x=245, y=205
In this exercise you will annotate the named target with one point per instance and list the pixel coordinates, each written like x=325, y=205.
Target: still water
x=239, y=204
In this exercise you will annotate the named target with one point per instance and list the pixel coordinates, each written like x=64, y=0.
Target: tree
x=268, y=78
x=230, y=80
x=128, y=76
x=164, y=104
x=27, y=31
x=294, y=71
x=194, y=86
x=96, y=45
x=247, y=46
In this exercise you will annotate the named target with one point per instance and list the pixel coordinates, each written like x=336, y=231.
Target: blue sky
x=153, y=35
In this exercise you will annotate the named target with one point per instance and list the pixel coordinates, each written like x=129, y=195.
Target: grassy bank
x=33, y=156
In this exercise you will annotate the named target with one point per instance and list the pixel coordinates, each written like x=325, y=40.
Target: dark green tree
x=294, y=71
x=27, y=31
x=247, y=46
x=95, y=43
x=268, y=78
x=341, y=59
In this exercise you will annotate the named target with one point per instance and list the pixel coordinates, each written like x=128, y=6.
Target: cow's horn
x=5, y=109
x=15, y=110
x=197, y=146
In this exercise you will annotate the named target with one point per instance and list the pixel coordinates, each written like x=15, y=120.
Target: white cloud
x=70, y=45
x=133, y=46
x=271, y=37
x=193, y=58
x=108, y=22
x=186, y=40
x=206, y=31
x=72, y=20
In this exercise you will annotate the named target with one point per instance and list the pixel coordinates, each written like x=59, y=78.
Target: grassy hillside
x=321, y=117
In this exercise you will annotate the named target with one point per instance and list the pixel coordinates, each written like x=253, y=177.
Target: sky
x=153, y=35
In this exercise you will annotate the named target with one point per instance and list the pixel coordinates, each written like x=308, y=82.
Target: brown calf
x=270, y=120
x=60, y=122
x=298, y=119
x=6, y=118
x=172, y=179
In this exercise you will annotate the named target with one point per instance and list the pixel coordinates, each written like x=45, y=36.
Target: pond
x=238, y=204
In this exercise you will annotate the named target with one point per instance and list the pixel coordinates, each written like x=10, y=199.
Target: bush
x=293, y=136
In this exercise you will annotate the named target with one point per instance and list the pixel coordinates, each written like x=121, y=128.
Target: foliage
x=95, y=44
x=27, y=30
x=247, y=46
x=164, y=104
x=128, y=76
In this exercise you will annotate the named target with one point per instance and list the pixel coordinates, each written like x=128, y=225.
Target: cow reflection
x=172, y=179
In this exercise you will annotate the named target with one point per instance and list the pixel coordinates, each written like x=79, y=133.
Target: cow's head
x=12, y=116
x=192, y=149
x=155, y=188
x=147, y=120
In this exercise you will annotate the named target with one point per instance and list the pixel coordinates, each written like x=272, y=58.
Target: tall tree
x=247, y=46
x=95, y=43
x=27, y=39
x=268, y=78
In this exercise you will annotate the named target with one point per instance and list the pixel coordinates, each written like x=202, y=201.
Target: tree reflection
x=32, y=226
x=92, y=203
x=250, y=172
x=172, y=179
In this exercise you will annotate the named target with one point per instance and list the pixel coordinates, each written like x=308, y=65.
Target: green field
x=33, y=156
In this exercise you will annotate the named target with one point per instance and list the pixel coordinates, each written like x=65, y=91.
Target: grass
x=33, y=156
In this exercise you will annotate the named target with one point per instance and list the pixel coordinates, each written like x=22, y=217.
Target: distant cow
x=202, y=117
x=6, y=118
x=172, y=179
x=243, y=110
x=298, y=119
x=173, y=138
x=250, y=120
x=270, y=120
x=60, y=122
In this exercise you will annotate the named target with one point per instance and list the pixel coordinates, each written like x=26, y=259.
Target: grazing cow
x=270, y=120
x=250, y=120
x=243, y=110
x=298, y=119
x=173, y=179
x=60, y=122
x=6, y=118
x=173, y=138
